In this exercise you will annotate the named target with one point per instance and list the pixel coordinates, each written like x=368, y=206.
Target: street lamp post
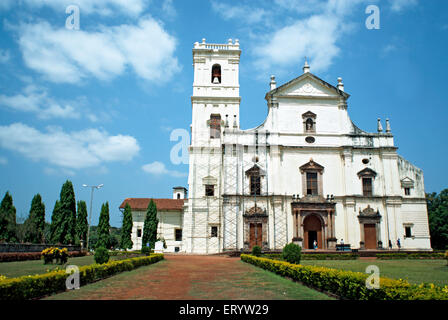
x=90, y=215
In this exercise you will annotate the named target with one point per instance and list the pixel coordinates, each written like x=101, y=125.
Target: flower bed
x=31, y=287
x=23, y=256
x=348, y=284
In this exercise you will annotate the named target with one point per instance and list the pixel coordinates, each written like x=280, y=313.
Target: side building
x=169, y=213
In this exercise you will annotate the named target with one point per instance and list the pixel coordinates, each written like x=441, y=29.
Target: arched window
x=309, y=122
x=216, y=73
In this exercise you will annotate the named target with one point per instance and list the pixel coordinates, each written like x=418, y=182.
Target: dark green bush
x=292, y=253
x=146, y=250
x=101, y=255
x=256, y=251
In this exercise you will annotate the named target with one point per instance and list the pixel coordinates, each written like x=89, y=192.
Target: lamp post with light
x=90, y=218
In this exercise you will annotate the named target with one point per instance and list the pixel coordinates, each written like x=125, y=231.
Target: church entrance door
x=312, y=228
x=370, y=236
x=255, y=235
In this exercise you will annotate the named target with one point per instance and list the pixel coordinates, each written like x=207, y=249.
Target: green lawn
x=415, y=271
x=32, y=267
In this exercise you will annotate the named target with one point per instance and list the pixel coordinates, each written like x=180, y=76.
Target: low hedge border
x=317, y=256
x=348, y=284
x=23, y=256
x=37, y=286
x=429, y=255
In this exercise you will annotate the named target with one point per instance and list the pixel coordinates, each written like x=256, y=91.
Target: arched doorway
x=312, y=229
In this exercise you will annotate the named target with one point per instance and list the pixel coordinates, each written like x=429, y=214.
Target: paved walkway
x=181, y=277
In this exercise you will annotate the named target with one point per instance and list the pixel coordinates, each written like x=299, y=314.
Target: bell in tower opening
x=216, y=73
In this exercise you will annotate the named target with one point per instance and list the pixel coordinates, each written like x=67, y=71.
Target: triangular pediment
x=407, y=182
x=311, y=166
x=308, y=85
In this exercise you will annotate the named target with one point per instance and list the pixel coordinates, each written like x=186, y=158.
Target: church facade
x=306, y=175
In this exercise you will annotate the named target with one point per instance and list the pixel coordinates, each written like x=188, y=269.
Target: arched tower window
x=216, y=73
x=309, y=124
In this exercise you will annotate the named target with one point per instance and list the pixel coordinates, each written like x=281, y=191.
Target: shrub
x=145, y=250
x=101, y=255
x=256, y=251
x=348, y=284
x=32, y=287
x=292, y=253
x=446, y=256
x=53, y=254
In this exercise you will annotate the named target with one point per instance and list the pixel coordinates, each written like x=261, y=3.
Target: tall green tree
x=438, y=218
x=150, y=225
x=56, y=228
x=82, y=225
x=68, y=212
x=7, y=219
x=126, y=229
x=104, y=227
x=35, y=224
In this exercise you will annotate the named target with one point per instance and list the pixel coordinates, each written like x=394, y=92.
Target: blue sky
x=98, y=104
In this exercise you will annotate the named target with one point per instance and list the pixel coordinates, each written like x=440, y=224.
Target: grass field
x=32, y=267
x=415, y=271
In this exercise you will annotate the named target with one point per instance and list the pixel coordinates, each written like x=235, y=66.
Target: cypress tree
x=7, y=219
x=150, y=225
x=35, y=224
x=56, y=229
x=68, y=212
x=103, y=227
x=126, y=229
x=81, y=222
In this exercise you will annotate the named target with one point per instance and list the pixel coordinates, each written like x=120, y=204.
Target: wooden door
x=258, y=234
x=255, y=232
x=370, y=236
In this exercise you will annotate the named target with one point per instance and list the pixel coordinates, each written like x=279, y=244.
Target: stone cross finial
x=273, y=83
x=340, y=84
x=306, y=67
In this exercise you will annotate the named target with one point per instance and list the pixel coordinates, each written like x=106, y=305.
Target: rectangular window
x=215, y=126
x=408, y=232
x=255, y=187
x=178, y=234
x=214, y=232
x=139, y=233
x=407, y=191
x=367, y=187
x=311, y=183
x=209, y=190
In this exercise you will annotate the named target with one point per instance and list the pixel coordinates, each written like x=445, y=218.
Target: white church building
x=307, y=174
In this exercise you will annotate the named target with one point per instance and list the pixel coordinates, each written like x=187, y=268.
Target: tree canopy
x=150, y=225
x=104, y=227
x=81, y=222
x=126, y=229
x=35, y=224
x=438, y=218
x=7, y=219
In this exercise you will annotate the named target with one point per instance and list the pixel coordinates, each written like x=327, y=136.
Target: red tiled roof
x=161, y=204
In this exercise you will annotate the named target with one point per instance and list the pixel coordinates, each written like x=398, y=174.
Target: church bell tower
x=216, y=99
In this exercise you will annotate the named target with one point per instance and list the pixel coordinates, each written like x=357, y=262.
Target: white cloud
x=36, y=100
x=3, y=161
x=69, y=56
x=315, y=37
x=4, y=56
x=243, y=13
x=74, y=150
x=158, y=168
x=400, y=5
x=101, y=7
x=169, y=9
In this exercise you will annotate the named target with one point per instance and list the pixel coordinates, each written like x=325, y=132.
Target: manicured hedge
x=348, y=284
x=403, y=255
x=22, y=256
x=318, y=256
x=31, y=287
